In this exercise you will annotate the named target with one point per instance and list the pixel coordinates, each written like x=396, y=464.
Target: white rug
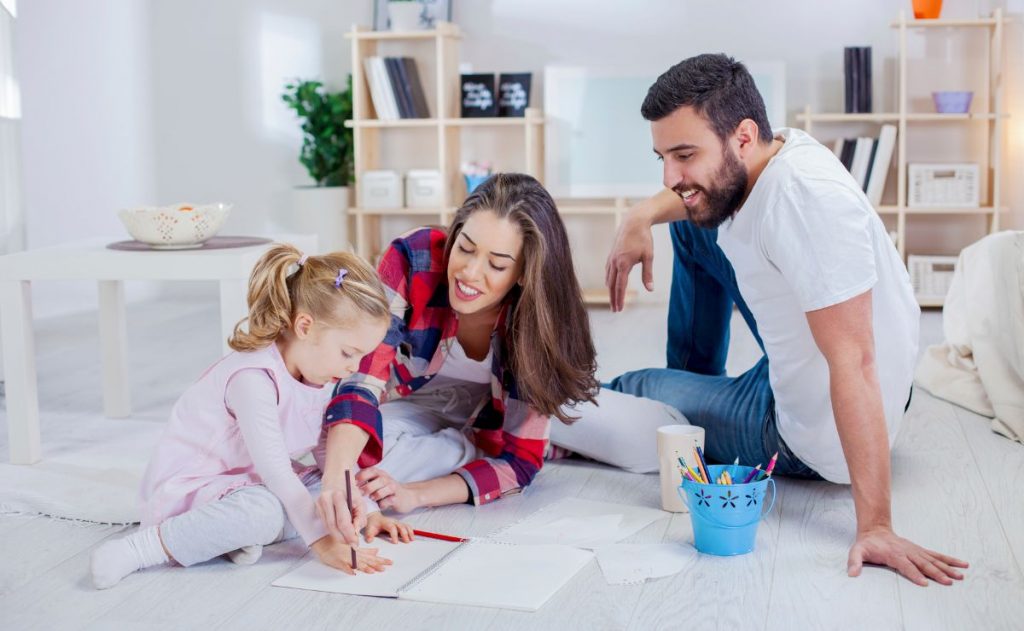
x=90, y=471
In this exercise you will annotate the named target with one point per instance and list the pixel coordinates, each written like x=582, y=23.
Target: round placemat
x=213, y=243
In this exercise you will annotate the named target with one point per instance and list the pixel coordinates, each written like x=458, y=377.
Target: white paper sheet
x=408, y=561
x=581, y=523
x=485, y=574
x=632, y=563
x=479, y=573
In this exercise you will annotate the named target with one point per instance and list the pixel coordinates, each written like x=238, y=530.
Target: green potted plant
x=327, y=153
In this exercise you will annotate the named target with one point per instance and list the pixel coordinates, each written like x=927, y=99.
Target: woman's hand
x=376, y=523
x=379, y=486
x=338, y=555
x=332, y=507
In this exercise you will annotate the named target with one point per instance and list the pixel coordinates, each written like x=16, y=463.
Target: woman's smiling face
x=485, y=263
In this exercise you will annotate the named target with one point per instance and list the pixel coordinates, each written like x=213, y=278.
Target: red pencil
x=434, y=535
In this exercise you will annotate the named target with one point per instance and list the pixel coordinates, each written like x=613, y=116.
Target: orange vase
x=927, y=9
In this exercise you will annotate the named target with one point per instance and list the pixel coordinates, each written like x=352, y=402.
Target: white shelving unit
x=992, y=115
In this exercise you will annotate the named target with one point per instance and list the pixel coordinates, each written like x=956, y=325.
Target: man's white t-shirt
x=805, y=239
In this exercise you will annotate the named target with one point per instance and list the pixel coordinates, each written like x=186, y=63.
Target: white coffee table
x=93, y=261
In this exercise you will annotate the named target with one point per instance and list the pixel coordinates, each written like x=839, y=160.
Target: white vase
x=405, y=16
x=323, y=211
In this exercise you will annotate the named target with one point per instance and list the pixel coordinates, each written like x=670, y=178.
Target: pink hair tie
x=341, y=276
x=294, y=268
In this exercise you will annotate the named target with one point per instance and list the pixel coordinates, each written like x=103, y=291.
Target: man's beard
x=723, y=200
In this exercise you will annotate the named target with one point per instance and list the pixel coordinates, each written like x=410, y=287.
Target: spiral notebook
x=476, y=573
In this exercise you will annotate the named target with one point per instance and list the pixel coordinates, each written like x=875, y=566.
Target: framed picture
x=513, y=93
x=433, y=11
x=477, y=94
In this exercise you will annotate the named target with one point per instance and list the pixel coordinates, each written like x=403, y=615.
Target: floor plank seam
x=775, y=556
x=958, y=414
x=899, y=602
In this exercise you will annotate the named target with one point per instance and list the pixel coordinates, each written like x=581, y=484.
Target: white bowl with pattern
x=174, y=227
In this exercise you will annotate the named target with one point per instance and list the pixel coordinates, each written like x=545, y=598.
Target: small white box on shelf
x=930, y=276
x=381, y=189
x=423, y=188
x=936, y=185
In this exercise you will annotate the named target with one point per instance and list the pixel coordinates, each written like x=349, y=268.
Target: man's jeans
x=737, y=413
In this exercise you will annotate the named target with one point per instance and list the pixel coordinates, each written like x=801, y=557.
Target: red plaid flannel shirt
x=510, y=433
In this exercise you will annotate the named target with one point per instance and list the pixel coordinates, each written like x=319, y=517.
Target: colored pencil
x=696, y=467
x=771, y=467
x=750, y=476
x=693, y=474
x=700, y=461
x=434, y=535
x=348, y=499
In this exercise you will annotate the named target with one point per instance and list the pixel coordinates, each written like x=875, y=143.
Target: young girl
x=222, y=478
x=489, y=338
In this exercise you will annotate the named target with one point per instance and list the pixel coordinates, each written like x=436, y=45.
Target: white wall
x=150, y=101
x=12, y=214
x=87, y=126
x=221, y=129
x=134, y=102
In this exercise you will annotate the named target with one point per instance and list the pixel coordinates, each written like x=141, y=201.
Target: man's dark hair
x=718, y=87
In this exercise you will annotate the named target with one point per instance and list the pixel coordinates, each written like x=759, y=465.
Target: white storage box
x=381, y=189
x=931, y=276
x=423, y=188
x=943, y=185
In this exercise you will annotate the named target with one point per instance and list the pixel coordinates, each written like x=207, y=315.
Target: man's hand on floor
x=884, y=547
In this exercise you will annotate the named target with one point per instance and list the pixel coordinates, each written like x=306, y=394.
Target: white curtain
x=12, y=220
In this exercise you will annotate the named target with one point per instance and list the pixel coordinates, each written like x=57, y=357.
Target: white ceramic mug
x=675, y=441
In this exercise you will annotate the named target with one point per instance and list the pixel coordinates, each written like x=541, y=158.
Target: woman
x=489, y=338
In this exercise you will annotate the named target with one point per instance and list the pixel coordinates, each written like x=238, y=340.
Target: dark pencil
x=348, y=498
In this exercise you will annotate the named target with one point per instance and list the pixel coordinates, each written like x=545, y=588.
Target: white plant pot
x=405, y=16
x=323, y=211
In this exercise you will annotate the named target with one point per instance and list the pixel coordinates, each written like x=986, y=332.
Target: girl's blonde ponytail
x=283, y=282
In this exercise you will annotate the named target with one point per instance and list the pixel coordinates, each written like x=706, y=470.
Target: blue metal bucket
x=725, y=516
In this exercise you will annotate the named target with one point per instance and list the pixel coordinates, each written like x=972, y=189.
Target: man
x=775, y=224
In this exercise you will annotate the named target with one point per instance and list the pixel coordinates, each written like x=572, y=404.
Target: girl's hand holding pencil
x=332, y=507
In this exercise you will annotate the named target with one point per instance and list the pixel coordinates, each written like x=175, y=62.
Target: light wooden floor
x=957, y=488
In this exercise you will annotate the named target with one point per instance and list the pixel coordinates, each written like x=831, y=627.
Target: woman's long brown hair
x=548, y=344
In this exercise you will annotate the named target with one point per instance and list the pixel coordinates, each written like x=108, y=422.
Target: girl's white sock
x=116, y=559
x=246, y=555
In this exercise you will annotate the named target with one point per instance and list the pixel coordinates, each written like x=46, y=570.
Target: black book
x=419, y=99
x=403, y=76
x=848, y=57
x=866, y=74
x=871, y=163
x=857, y=75
x=864, y=90
x=855, y=82
x=847, y=156
x=404, y=107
